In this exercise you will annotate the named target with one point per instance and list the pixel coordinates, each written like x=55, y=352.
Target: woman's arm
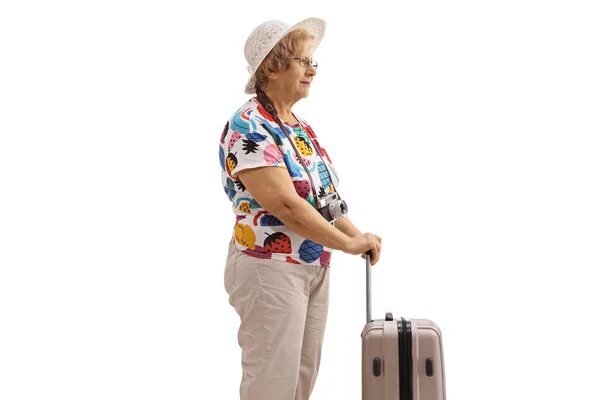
x=274, y=191
x=346, y=226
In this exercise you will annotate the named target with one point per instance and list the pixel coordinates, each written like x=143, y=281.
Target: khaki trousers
x=283, y=312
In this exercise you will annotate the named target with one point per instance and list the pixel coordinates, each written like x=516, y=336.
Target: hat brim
x=314, y=26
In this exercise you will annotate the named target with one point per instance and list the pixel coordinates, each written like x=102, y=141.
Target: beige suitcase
x=402, y=359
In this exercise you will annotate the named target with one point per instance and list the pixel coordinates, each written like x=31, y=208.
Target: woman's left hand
x=375, y=253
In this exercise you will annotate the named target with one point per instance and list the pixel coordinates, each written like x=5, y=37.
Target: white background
x=465, y=134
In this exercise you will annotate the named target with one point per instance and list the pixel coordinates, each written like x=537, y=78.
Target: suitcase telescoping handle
x=368, y=258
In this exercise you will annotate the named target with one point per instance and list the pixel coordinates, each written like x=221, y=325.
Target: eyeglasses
x=306, y=62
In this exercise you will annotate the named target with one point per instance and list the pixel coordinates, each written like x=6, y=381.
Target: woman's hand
x=362, y=243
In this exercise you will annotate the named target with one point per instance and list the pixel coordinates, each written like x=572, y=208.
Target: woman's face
x=296, y=79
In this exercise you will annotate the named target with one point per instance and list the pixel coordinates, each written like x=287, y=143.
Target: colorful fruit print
x=307, y=161
x=244, y=206
x=291, y=157
x=309, y=130
x=240, y=185
x=235, y=136
x=252, y=135
x=303, y=188
x=292, y=170
x=230, y=193
x=318, y=148
x=250, y=146
x=251, y=203
x=325, y=181
x=266, y=219
x=278, y=242
x=309, y=251
x=254, y=204
x=245, y=235
x=303, y=146
x=270, y=220
x=256, y=137
x=273, y=155
x=230, y=189
x=301, y=134
x=225, y=130
x=322, y=192
x=276, y=133
x=242, y=123
x=222, y=158
x=325, y=258
x=231, y=162
x=258, y=252
x=230, y=184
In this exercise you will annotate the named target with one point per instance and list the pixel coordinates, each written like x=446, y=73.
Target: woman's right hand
x=365, y=242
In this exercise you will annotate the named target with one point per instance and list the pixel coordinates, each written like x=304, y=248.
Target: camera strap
x=264, y=100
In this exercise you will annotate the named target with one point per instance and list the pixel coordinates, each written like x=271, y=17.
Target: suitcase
x=402, y=359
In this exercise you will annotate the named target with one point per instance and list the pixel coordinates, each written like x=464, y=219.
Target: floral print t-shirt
x=251, y=138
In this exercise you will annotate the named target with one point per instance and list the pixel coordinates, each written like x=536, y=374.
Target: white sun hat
x=265, y=36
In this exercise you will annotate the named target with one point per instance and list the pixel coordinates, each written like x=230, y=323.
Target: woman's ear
x=269, y=74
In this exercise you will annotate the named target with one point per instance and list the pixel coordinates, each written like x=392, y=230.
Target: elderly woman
x=289, y=217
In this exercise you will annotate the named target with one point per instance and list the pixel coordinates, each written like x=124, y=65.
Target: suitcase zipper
x=405, y=359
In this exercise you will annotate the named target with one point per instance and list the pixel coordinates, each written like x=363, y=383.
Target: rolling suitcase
x=402, y=359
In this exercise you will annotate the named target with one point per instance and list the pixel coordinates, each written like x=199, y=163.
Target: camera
x=331, y=207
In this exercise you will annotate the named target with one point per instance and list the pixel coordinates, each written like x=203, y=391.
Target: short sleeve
x=251, y=142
